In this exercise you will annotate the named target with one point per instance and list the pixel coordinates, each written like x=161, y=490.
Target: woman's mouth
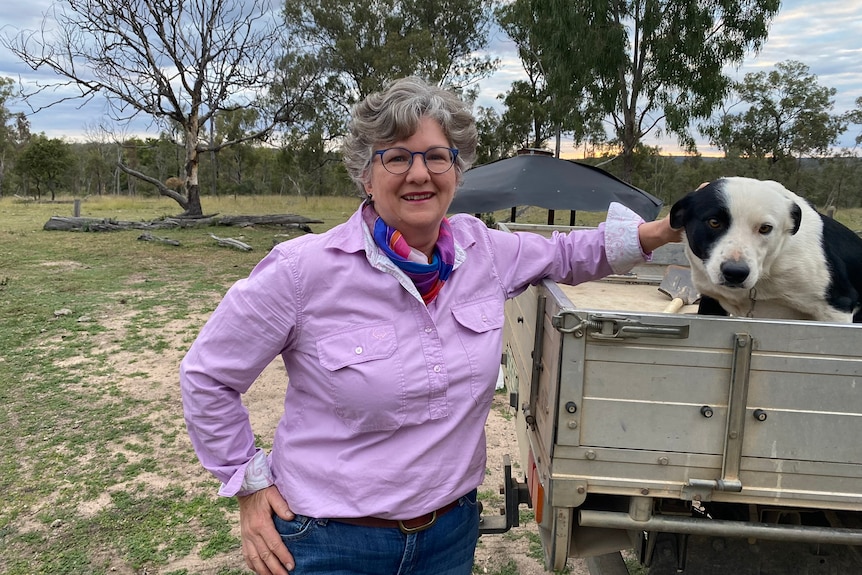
x=418, y=197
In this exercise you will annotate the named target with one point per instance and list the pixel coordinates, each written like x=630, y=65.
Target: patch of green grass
x=634, y=566
x=535, y=549
x=146, y=529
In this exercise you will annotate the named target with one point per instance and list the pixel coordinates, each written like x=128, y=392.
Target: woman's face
x=416, y=201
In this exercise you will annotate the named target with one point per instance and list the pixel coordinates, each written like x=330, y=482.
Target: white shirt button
x=437, y=369
x=358, y=350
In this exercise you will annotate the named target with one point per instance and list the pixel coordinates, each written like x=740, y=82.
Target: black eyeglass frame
x=413, y=154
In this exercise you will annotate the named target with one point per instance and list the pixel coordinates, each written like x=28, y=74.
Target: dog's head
x=735, y=228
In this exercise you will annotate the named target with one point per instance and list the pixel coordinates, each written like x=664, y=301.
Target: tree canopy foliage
x=44, y=161
x=360, y=45
x=14, y=129
x=645, y=65
x=787, y=114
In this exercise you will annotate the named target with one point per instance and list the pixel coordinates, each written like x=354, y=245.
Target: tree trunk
x=193, y=190
x=193, y=206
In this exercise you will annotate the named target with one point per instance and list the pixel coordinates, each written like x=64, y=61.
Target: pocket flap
x=356, y=345
x=480, y=316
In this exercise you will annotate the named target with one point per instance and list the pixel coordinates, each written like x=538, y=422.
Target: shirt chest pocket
x=481, y=316
x=481, y=336
x=365, y=376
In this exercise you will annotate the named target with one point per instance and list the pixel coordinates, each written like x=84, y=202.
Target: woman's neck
x=425, y=243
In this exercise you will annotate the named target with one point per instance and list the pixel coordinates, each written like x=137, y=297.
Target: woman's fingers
x=262, y=547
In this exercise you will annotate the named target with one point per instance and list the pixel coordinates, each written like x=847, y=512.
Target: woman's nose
x=418, y=169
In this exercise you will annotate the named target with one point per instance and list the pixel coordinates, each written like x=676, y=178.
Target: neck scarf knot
x=427, y=276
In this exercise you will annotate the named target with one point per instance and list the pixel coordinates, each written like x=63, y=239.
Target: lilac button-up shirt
x=384, y=413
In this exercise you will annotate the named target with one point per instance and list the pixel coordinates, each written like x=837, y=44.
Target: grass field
x=97, y=473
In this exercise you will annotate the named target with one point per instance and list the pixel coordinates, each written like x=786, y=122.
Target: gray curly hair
x=394, y=113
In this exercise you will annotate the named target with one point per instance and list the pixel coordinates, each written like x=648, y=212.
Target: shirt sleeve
x=525, y=258
x=622, y=243
x=247, y=331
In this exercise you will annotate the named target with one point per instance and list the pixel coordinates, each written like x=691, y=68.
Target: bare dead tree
x=177, y=61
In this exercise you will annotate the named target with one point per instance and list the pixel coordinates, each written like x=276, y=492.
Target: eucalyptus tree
x=497, y=137
x=648, y=65
x=178, y=62
x=231, y=164
x=363, y=44
x=553, y=98
x=854, y=117
x=786, y=116
x=14, y=130
x=45, y=162
x=96, y=167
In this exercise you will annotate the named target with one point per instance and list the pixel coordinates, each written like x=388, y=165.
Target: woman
x=390, y=327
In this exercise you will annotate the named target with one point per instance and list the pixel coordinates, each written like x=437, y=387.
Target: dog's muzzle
x=734, y=274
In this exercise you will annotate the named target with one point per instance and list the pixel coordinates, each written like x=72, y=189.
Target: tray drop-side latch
x=612, y=326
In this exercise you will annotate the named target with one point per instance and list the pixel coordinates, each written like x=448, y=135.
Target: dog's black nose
x=734, y=273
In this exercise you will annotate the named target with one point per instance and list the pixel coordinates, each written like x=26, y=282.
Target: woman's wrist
x=657, y=233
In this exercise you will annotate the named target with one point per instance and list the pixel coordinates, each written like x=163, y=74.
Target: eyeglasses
x=438, y=159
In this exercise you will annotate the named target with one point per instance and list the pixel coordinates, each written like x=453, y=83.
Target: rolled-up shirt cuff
x=253, y=476
x=622, y=243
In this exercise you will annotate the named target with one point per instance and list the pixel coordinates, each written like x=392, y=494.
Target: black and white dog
x=757, y=249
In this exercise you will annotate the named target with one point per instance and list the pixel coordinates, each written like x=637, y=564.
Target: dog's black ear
x=796, y=216
x=677, y=212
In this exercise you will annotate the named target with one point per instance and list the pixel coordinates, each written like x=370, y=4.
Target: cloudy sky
x=826, y=35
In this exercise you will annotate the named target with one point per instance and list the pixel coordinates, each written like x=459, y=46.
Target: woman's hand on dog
x=657, y=233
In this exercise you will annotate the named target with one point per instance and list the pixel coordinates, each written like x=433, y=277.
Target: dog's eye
x=765, y=229
x=713, y=223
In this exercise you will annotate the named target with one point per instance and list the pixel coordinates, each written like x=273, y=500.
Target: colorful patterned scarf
x=428, y=277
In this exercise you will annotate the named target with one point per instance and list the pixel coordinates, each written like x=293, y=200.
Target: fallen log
x=148, y=237
x=231, y=243
x=270, y=220
x=83, y=224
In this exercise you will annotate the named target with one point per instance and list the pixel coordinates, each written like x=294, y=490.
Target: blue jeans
x=334, y=548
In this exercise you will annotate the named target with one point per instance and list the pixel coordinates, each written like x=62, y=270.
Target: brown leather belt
x=407, y=526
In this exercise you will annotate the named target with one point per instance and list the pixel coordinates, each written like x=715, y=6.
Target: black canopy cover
x=536, y=179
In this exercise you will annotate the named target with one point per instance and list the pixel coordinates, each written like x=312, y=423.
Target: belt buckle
x=410, y=530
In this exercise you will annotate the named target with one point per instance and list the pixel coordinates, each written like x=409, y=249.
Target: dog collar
x=752, y=297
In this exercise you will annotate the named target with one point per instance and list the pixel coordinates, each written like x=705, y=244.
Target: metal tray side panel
x=518, y=338
x=640, y=423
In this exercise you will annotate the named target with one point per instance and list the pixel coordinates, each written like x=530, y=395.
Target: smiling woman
x=390, y=327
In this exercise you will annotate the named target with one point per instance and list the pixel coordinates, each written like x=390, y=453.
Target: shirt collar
x=354, y=235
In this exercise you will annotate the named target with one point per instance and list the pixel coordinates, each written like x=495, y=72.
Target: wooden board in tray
x=605, y=295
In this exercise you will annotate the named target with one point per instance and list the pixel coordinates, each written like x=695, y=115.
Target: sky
x=826, y=35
